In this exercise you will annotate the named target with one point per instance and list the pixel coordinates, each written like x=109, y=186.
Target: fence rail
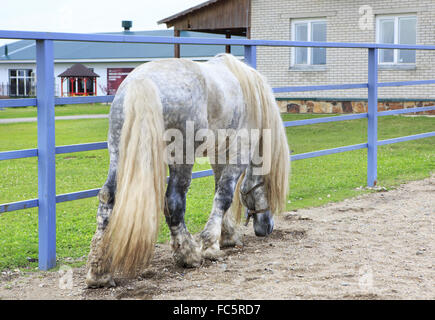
x=46, y=101
x=7, y=90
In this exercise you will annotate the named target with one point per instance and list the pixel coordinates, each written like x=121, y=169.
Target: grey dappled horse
x=159, y=96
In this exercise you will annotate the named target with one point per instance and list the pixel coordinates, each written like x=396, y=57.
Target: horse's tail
x=132, y=231
x=264, y=112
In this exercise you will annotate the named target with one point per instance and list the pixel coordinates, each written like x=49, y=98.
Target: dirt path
x=376, y=246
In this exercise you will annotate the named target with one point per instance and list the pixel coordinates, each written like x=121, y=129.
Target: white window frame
x=309, y=22
x=396, y=36
x=17, y=77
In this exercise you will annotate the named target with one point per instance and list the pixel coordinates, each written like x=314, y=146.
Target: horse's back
x=205, y=93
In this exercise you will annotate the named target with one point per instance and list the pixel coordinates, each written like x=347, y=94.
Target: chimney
x=127, y=24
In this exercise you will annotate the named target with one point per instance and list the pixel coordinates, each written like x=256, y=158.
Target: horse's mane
x=264, y=112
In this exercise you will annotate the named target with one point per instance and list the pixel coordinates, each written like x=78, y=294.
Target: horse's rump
x=133, y=226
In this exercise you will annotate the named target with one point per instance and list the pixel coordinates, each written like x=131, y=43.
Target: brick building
x=369, y=21
x=383, y=21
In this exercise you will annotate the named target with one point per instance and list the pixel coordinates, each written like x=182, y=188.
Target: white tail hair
x=129, y=240
x=261, y=106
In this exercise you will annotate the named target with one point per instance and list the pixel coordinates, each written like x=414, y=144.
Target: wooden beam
x=176, y=46
x=228, y=48
x=248, y=29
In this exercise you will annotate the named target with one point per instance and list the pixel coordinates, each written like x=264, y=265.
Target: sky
x=87, y=16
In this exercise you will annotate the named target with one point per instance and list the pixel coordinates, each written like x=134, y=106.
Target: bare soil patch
x=375, y=246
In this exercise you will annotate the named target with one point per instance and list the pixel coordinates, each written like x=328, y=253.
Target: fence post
x=251, y=56
x=372, y=131
x=46, y=154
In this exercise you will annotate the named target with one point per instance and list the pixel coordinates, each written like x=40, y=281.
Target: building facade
x=26, y=87
x=363, y=21
x=110, y=61
x=367, y=21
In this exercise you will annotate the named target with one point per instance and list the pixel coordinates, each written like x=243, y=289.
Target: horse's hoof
x=234, y=240
x=187, y=254
x=99, y=281
x=188, y=258
x=213, y=253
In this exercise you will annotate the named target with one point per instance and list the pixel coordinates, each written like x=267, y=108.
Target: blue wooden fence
x=46, y=101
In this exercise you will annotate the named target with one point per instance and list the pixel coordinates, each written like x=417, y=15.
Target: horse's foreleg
x=98, y=274
x=211, y=235
x=230, y=235
x=185, y=250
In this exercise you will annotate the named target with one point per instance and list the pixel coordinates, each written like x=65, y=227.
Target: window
x=21, y=82
x=308, y=30
x=397, y=30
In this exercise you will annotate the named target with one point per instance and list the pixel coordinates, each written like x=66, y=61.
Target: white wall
x=4, y=70
x=99, y=68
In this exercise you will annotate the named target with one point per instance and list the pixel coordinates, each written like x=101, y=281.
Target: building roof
x=187, y=11
x=67, y=51
x=78, y=70
x=229, y=17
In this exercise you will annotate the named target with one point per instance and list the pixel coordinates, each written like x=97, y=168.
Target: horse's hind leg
x=210, y=236
x=98, y=275
x=185, y=250
x=230, y=235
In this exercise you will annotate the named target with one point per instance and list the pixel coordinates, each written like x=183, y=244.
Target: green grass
x=60, y=110
x=314, y=181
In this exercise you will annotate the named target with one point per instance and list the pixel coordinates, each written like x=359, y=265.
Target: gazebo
x=81, y=81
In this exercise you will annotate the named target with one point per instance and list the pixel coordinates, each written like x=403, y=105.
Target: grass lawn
x=313, y=181
x=60, y=110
